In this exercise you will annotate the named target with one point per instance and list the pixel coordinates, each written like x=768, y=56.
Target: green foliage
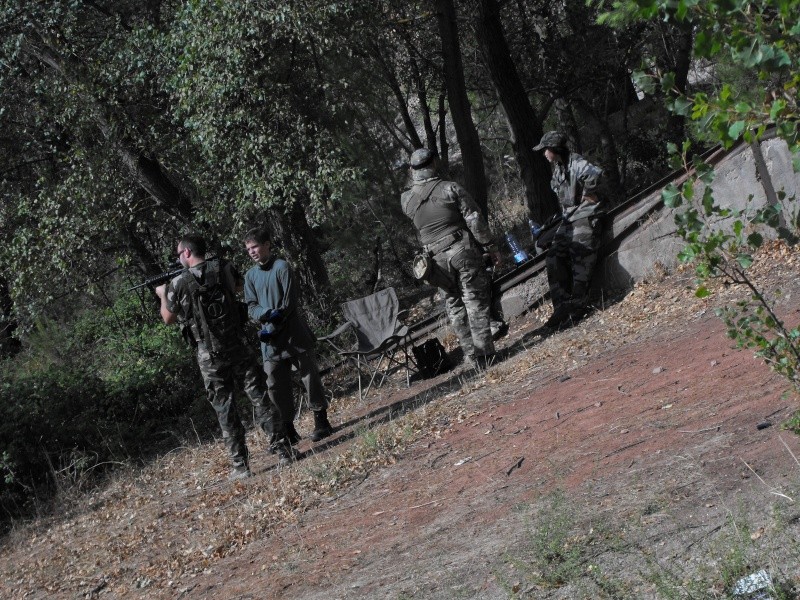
x=235, y=104
x=135, y=347
x=7, y=467
x=753, y=325
x=556, y=553
x=793, y=423
x=735, y=554
x=563, y=550
x=114, y=386
x=759, y=41
x=551, y=539
x=721, y=243
x=69, y=74
x=247, y=89
x=755, y=48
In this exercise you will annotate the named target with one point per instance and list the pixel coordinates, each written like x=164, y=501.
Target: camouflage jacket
x=439, y=208
x=570, y=183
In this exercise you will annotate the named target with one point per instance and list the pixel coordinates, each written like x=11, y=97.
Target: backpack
x=216, y=320
x=431, y=358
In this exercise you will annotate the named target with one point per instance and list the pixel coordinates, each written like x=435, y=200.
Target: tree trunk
x=525, y=127
x=609, y=156
x=422, y=95
x=444, y=146
x=390, y=77
x=567, y=123
x=302, y=250
x=145, y=170
x=681, y=58
x=466, y=133
x=148, y=263
x=9, y=345
x=376, y=274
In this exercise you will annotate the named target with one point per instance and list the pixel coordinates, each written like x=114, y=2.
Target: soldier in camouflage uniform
x=221, y=361
x=454, y=234
x=573, y=253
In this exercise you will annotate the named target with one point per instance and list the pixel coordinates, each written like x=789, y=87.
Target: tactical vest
x=434, y=213
x=215, y=319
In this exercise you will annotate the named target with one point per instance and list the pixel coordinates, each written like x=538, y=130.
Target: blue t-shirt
x=270, y=286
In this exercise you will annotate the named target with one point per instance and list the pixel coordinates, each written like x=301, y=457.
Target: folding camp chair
x=380, y=338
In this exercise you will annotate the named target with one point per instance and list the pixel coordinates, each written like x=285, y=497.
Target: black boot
x=286, y=454
x=322, y=428
x=291, y=434
x=559, y=318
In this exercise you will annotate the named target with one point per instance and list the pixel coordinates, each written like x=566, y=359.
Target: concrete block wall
x=738, y=184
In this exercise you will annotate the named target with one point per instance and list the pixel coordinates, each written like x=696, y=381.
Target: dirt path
x=635, y=453
x=656, y=441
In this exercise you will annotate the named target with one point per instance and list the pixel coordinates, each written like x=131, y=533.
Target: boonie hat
x=552, y=139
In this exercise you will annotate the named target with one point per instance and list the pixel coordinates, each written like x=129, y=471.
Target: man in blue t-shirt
x=286, y=339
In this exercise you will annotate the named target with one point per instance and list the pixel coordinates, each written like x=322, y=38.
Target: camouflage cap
x=421, y=158
x=551, y=139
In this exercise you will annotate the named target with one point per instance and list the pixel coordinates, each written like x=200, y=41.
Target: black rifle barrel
x=157, y=280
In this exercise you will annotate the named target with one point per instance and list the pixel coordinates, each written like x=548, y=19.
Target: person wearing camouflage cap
x=571, y=257
x=454, y=235
x=551, y=139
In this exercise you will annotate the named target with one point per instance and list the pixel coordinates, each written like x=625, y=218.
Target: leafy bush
x=111, y=387
x=755, y=45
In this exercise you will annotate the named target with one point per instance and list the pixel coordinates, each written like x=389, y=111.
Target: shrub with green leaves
x=115, y=385
x=757, y=46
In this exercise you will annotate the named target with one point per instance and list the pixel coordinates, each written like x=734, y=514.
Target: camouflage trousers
x=571, y=259
x=462, y=277
x=279, y=383
x=220, y=373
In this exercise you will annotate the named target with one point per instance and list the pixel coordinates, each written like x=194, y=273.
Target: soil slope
x=636, y=455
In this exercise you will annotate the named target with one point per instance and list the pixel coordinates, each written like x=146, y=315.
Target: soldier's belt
x=443, y=243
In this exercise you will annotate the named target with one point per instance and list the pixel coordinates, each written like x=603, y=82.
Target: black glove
x=272, y=316
x=275, y=316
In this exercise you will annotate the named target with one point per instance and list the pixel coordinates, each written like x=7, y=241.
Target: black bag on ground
x=431, y=358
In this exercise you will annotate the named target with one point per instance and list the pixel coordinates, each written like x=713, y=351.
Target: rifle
x=157, y=280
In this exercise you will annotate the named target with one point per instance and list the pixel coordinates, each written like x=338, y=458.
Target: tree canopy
x=125, y=124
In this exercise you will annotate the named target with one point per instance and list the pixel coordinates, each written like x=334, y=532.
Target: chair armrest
x=347, y=325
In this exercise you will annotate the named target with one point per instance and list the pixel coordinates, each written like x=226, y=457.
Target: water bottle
x=520, y=256
x=536, y=229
